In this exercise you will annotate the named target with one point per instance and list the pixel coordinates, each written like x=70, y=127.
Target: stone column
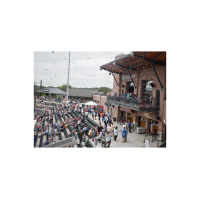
x=147, y=125
x=118, y=114
x=126, y=116
x=161, y=129
x=135, y=119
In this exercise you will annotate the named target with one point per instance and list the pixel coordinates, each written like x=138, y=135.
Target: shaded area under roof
x=81, y=92
x=136, y=60
x=51, y=91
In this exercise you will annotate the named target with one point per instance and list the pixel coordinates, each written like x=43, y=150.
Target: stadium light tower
x=67, y=89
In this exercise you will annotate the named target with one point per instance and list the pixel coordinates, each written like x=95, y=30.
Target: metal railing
x=133, y=101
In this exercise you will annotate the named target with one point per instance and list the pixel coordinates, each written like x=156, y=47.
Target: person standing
x=105, y=123
x=116, y=131
x=129, y=126
x=124, y=134
x=108, y=140
x=99, y=115
x=108, y=115
x=99, y=128
x=102, y=116
x=93, y=115
x=80, y=137
x=151, y=127
x=109, y=128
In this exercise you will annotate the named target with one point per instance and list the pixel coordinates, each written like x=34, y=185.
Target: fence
x=133, y=101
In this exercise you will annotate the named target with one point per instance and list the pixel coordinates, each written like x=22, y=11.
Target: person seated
x=58, y=131
x=99, y=137
x=46, y=142
x=85, y=128
x=108, y=139
x=90, y=133
x=54, y=125
x=54, y=138
x=47, y=131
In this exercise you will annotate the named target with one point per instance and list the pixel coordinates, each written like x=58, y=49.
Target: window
x=146, y=88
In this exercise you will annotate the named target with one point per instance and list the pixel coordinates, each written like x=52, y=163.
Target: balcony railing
x=132, y=101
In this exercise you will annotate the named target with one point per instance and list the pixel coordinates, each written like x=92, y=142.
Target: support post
x=115, y=79
x=157, y=76
x=130, y=76
x=68, y=79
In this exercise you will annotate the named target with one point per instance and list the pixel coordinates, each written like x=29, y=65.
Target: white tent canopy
x=90, y=103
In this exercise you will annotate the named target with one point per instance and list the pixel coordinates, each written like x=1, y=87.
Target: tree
x=104, y=90
x=63, y=87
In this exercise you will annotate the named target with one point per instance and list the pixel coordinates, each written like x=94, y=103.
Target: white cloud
x=52, y=68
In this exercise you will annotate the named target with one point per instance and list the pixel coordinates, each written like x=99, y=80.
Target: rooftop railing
x=133, y=101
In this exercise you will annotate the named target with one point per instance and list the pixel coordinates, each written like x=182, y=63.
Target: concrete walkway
x=133, y=139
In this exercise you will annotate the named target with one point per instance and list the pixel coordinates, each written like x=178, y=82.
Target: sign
x=147, y=143
x=146, y=114
x=125, y=109
x=45, y=90
x=127, y=77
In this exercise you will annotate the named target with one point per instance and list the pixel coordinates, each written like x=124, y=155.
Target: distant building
x=52, y=91
x=83, y=94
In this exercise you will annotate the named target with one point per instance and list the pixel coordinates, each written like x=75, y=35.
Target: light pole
x=68, y=78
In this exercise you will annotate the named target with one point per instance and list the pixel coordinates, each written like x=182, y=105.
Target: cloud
x=84, y=68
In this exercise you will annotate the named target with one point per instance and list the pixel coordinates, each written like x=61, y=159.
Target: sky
x=52, y=68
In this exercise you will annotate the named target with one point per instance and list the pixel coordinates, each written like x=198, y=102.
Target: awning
x=51, y=91
x=90, y=103
x=135, y=60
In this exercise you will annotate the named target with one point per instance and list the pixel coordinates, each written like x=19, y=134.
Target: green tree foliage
x=63, y=87
x=104, y=90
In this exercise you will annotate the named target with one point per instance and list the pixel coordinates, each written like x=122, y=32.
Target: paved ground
x=133, y=139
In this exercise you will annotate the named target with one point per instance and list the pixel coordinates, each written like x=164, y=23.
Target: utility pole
x=68, y=78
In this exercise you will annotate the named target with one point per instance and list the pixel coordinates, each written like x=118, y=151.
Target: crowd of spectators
x=78, y=128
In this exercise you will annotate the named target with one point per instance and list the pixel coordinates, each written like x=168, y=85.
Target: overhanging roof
x=136, y=60
x=52, y=91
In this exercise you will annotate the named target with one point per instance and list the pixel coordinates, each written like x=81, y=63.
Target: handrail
x=133, y=101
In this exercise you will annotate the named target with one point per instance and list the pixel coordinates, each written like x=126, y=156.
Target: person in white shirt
x=151, y=127
x=98, y=137
x=108, y=139
x=116, y=131
x=109, y=128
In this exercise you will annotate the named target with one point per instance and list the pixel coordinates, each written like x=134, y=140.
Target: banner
x=125, y=109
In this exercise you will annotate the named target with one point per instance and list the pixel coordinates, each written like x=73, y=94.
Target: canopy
x=51, y=91
x=135, y=60
x=90, y=103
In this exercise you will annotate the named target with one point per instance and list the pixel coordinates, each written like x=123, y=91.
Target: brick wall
x=164, y=113
x=146, y=73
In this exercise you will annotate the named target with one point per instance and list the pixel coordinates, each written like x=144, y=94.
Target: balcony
x=133, y=103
